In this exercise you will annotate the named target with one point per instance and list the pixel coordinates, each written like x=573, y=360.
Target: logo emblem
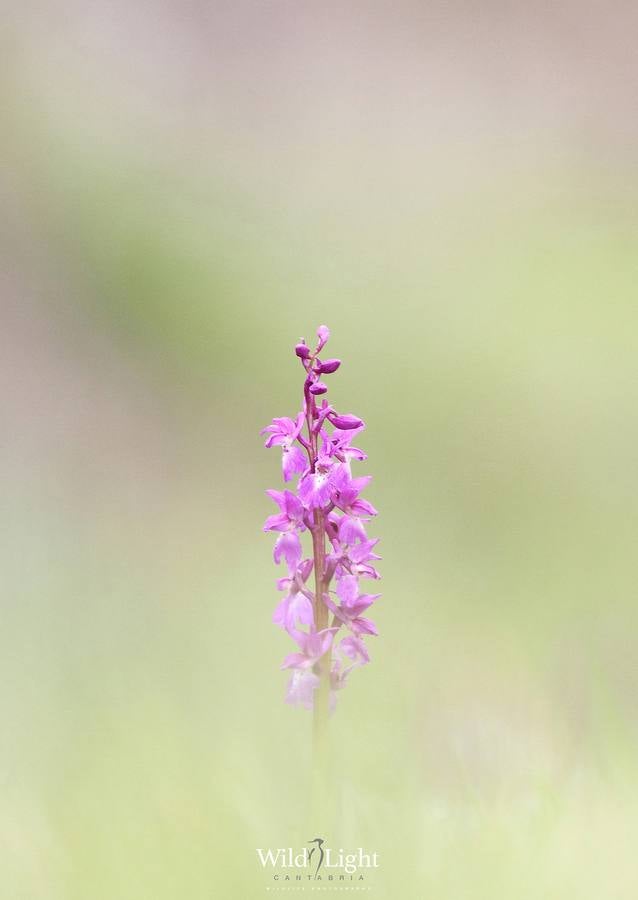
x=319, y=846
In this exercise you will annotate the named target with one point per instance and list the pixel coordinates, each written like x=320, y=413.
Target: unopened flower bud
x=318, y=388
x=345, y=422
x=302, y=351
x=328, y=366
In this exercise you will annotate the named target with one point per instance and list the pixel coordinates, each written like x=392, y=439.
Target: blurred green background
x=187, y=188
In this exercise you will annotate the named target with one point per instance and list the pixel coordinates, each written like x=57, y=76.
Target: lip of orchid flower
x=293, y=609
x=351, y=529
x=327, y=503
x=296, y=606
x=301, y=688
x=289, y=547
x=315, y=488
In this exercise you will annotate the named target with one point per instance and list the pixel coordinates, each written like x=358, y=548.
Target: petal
x=363, y=551
x=284, y=424
x=354, y=453
x=355, y=648
x=305, y=568
x=345, y=498
x=293, y=505
x=275, y=440
x=326, y=637
x=361, y=604
x=292, y=462
x=314, y=490
x=360, y=483
x=295, y=661
x=278, y=522
x=363, y=508
x=288, y=545
x=300, y=610
x=343, y=437
x=347, y=589
x=364, y=626
x=351, y=530
x=279, y=497
x=280, y=612
x=301, y=688
x=340, y=478
x=346, y=646
x=365, y=571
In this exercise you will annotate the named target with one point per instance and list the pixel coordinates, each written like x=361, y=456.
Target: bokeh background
x=189, y=187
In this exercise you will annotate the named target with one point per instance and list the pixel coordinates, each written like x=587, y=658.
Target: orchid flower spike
x=326, y=510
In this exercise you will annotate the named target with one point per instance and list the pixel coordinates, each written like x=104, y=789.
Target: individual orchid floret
x=354, y=647
x=296, y=607
x=359, y=556
x=346, y=490
x=353, y=604
x=340, y=447
x=338, y=678
x=326, y=510
x=301, y=575
x=288, y=522
x=291, y=515
x=283, y=432
x=313, y=645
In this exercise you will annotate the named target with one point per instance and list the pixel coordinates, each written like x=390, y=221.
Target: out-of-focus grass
x=489, y=340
